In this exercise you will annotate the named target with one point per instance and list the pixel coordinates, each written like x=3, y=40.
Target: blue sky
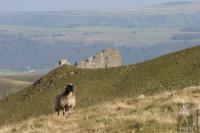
x=29, y=5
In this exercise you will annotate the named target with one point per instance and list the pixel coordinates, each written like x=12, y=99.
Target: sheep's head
x=69, y=88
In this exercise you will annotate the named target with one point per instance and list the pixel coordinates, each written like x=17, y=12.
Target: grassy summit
x=169, y=72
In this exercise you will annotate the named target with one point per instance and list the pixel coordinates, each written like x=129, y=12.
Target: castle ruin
x=104, y=59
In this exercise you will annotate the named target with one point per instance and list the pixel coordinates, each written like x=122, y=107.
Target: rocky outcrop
x=104, y=59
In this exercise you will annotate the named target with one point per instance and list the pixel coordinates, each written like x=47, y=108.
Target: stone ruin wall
x=105, y=59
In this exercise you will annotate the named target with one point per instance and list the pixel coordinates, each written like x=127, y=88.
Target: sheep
x=65, y=101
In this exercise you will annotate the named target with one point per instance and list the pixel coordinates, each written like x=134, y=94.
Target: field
x=126, y=36
x=94, y=34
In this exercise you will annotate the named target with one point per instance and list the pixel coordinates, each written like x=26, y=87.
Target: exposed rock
x=104, y=59
x=63, y=62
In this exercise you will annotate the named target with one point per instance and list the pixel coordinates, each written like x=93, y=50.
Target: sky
x=38, y=5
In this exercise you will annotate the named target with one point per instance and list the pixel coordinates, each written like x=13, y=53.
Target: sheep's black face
x=72, y=88
x=67, y=91
x=69, y=88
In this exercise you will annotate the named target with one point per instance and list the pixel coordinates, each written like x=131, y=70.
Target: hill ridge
x=176, y=3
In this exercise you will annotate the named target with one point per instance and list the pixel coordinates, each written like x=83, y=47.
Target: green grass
x=169, y=72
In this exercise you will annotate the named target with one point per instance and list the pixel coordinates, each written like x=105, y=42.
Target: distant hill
x=170, y=8
x=170, y=72
x=176, y=3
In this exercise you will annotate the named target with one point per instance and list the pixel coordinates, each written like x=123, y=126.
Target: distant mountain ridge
x=176, y=3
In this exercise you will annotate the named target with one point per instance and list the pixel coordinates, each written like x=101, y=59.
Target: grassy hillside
x=150, y=114
x=170, y=72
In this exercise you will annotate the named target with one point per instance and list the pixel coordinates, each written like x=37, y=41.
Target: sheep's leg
x=70, y=110
x=67, y=110
x=64, y=111
x=58, y=112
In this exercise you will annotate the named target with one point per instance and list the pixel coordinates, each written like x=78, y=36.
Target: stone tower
x=63, y=62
